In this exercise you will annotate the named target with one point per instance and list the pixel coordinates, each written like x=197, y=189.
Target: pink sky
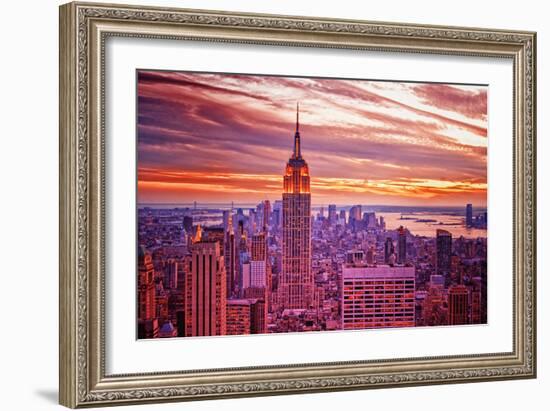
x=222, y=138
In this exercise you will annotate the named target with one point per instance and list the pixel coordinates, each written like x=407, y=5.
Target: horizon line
x=317, y=204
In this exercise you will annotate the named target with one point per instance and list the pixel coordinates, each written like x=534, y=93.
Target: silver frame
x=84, y=28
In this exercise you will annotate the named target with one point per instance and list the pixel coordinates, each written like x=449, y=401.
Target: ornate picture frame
x=84, y=29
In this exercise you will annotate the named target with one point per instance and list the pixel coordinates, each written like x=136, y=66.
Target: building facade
x=205, y=291
x=266, y=214
x=469, y=215
x=377, y=296
x=401, y=245
x=258, y=260
x=389, y=250
x=238, y=317
x=296, y=282
x=171, y=271
x=458, y=305
x=332, y=214
x=148, y=326
x=444, y=244
x=147, y=289
x=246, y=316
x=355, y=213
x=230, y=253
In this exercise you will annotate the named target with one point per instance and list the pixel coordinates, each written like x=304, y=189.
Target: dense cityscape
x=290, y=266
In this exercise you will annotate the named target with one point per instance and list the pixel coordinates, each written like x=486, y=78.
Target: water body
x=426, y=224
x=422, y=221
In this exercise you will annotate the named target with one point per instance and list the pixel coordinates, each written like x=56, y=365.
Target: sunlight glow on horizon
x=218, y=138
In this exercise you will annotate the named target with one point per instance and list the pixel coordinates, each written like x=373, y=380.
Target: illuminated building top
x=296, y=178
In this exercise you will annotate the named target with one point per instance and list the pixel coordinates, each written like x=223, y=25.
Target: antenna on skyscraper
x=297, y=151
x=297, y=116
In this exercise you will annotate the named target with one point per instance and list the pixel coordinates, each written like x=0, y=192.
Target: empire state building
x=296, y=284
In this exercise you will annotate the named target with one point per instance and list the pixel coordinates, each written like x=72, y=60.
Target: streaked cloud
x=218, y=137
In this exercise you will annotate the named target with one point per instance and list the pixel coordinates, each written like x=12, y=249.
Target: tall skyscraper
x=148, y=326
x=227, y=219
x=401, y=245
x=354, y=215
x=469, y=215
x=205, y=291
x=266, y=215
x=171, y=274
x=277, y=214
x=444, y=243
x=377, y=296
x=458, y=305
x=242, y=256
x=188, y=224
x=146, y=285
x=257, y=280
x=343, y=216
x=245, y=279
x=332, y=213
x=296, y=285
x=252, y=222
x=229, y=255
x=258, y=261
x=369, y=219
x=389, y=250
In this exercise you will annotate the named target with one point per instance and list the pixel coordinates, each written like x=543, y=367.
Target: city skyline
x=385, y=148
x=279, y=266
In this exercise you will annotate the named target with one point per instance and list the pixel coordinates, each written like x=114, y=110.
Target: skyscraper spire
x=297, y=148
x=296, y=283
x=297, y=116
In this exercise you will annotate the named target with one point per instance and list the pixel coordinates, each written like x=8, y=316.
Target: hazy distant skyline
x=217, y=138
x=367, y=207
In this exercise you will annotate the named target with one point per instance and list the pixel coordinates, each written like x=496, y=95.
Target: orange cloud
x=217, y=138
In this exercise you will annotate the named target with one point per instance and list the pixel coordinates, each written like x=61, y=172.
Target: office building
x=389, y=250
x=377, y=296
x=469, y=215
x=343, y=216
x=332, y=215
x=258, y=261
x=205, y=291
x=296, y=280
x=230, y=254
x=146, y=285
x=401, y=245
x=246, y=316
x=148, y=326
x=444, y=244
x=458, y=305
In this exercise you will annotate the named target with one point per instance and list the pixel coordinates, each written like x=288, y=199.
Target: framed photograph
x=260, y=204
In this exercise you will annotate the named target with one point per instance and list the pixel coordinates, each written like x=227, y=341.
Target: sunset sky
x=222, y=138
